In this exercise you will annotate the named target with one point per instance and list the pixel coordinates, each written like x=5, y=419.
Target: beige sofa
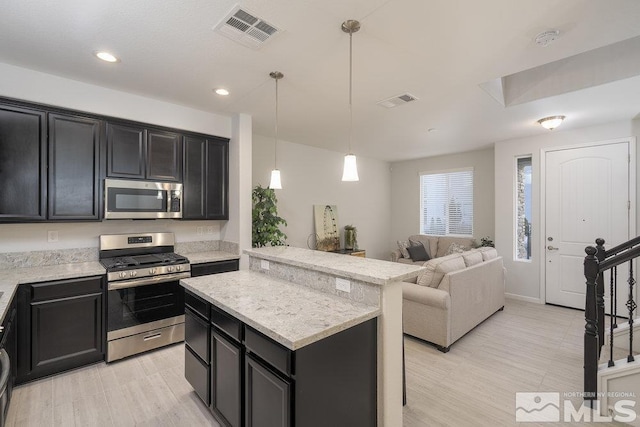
x=456, y=294
x=436, y=246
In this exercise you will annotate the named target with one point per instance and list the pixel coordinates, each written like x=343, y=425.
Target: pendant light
x=275, y=183
x=350, y=171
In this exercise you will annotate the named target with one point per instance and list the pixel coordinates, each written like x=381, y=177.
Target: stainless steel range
x=145, y=302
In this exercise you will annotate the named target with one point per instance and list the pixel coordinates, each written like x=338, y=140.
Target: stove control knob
x=133, y=274
x=152, y=271
x=122, y=274
x=170, y=269
x=178, y=268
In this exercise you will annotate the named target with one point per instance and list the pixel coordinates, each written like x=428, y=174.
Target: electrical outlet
x=343, y=285
x=209, y=230
x=199, y=231
x=264, y=265
x=52, y=236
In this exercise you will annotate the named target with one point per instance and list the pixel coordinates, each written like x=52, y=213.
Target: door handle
x=551, y=248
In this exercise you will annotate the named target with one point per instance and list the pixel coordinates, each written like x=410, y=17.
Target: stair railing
x=596, y=263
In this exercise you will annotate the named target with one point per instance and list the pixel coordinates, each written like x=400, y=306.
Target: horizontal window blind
x=446, y=203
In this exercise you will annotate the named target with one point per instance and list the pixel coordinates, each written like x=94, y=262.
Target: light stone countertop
x=210, y=256
x=11, y=278
x=364, y=269
x=290, y=314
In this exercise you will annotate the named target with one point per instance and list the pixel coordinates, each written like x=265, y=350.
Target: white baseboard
x=523, y=298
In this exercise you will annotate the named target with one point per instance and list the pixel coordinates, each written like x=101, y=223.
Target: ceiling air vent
x=246, y=28
x=394, y=101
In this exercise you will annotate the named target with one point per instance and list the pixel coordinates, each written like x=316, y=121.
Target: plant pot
x=349, y=239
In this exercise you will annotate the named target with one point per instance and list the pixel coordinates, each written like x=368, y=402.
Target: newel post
x=591, y=340
x=600, y=254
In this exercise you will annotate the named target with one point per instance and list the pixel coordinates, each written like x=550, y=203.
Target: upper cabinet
x=23, y=164
x=206, y=178
x=74, y=168
x=138, y=153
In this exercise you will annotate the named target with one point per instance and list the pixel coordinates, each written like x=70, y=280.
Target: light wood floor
x=525, y=348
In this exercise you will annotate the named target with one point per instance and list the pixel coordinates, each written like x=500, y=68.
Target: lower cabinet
x=60, y=326
x=254, y=381
x=226, y=379
x=268, y=396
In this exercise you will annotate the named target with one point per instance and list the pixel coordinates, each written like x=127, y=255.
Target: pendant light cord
x=350, y=89
x=275, y=148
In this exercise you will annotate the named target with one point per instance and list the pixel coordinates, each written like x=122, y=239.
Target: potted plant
x=350, y=237
x=265, y=220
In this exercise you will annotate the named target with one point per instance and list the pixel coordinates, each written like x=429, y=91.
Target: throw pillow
x=456, y=248
x=488, y=253
x=424, y=243
x=403, y=245
x=472, y=258
x=418, y=252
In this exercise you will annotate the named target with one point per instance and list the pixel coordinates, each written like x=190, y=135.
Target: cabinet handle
x=152, y=337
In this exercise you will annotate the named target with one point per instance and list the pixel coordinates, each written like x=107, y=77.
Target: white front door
x=587, y=196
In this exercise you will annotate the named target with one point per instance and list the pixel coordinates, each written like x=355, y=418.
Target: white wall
x=405, y=191
x=524, y=277
x=29, y=85
x=312, y=176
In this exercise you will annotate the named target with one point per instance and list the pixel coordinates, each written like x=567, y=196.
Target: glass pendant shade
x=275, y=183
x=350, y=172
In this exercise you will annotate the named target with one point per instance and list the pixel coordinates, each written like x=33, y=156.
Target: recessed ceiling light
x=221, y=91
x=106, y=56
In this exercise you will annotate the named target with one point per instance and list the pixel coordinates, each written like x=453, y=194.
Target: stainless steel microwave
x=128, y=199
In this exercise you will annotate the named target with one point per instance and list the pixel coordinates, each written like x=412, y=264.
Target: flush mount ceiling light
x=350, y=171
x=106, y=56
x=275, y=183
x=551, y=122
x=221, y=91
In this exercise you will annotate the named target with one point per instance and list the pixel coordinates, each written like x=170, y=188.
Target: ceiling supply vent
x=394, y=101
x=246, y=28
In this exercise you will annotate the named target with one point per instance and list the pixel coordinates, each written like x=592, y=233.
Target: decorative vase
x=349, y=239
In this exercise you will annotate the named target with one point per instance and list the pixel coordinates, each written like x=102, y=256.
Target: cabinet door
x=60, y=326
x=164, y=156
x=217, y=179
x=267, y=397
x=195, y=179
x=125, y=151
x=226, y=379
x=23, y=164
x=74, y=164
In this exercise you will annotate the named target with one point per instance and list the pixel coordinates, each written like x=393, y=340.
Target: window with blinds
x=446, y=203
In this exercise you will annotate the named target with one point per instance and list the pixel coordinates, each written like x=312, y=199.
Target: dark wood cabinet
x=226, y=379
x=255, y=381
x=214, y=267
x=206, y=178
x=268, y=396
x=60, y=326
x=136, y=152
x=126, y=151
x=74, y=168
x=23, y=163
x=164, y=156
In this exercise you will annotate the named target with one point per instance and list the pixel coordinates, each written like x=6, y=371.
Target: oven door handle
x=6, y=369
x=147, y=281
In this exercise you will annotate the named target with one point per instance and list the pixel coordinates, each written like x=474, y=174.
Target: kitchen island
x=296, y=300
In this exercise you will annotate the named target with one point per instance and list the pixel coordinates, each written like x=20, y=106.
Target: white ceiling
x=438, y=50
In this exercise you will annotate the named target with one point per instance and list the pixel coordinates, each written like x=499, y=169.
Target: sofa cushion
x=430, y=243
x=472, y=257
x=418, y=252
x=403, y=245
x=444, y=242
x=488, y=253
x=436, y=268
